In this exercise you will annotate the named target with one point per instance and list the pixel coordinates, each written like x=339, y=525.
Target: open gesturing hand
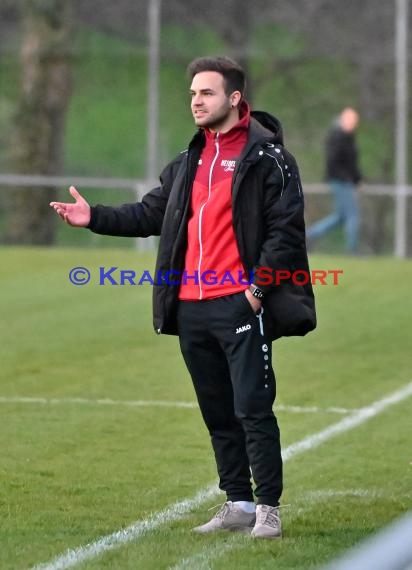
x=74, y=214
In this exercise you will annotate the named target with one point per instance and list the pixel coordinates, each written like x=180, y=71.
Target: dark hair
x=233, y=74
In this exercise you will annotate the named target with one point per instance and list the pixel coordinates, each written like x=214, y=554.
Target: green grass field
x=75, y=469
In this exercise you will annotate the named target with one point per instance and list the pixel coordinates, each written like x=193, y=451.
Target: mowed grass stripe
x=115, y=540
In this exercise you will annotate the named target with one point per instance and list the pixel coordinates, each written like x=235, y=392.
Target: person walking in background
x=228, y=207
x=343, y=175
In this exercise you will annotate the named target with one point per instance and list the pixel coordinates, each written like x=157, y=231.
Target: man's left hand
x=255, y=303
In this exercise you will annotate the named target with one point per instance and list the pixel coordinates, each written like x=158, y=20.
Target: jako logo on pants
x=243, y=329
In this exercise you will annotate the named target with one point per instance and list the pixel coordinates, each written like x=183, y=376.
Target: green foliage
x=277, y=42
x=106, y=131
x=8, y=97
x=107, y=123
x=184, y=44
x=73, y=472
x=378, y=162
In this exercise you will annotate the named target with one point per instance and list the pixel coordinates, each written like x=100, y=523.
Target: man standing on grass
x=229, y=212
x=343, y=175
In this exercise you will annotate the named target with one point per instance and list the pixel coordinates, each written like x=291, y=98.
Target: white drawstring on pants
x=259, y=316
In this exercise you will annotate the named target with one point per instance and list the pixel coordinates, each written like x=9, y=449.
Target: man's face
x=210, y=105
x=349, y=120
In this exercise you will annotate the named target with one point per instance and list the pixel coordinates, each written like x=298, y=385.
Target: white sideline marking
x=332, y=493
x=99, y=402
x=157, y=403
x=74, y=556
x=349, y=422
x=314, y=409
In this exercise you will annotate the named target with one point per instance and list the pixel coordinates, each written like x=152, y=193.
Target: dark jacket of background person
x=342, y=156
x=268, y=221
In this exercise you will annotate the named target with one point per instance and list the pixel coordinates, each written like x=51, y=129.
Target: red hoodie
x=212, y=264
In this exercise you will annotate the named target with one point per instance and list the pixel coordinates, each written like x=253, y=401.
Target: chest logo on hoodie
x=228, y=165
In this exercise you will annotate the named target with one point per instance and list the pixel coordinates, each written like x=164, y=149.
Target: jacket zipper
x=201, y=215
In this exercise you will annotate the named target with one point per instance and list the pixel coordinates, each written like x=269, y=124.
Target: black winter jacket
x=342, y=156
x=268, y=221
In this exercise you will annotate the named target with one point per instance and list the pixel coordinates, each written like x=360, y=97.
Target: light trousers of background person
x=346, y=212
x=228, y=354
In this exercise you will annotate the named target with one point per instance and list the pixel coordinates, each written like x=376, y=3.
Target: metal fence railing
x=140, y=186
x=137, y=185
x=389, y=549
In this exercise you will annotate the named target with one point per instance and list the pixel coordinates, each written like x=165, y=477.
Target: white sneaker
x=268, y=524
x=228, y=517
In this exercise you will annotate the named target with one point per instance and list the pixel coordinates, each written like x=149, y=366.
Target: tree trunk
x=37, y=140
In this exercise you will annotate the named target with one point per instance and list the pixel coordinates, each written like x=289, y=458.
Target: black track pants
x=228, y=355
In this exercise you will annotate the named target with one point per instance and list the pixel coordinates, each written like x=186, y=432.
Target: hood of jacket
x=269, y=125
